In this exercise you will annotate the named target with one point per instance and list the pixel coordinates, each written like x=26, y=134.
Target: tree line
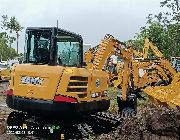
x=163, y=29
x=9, y=33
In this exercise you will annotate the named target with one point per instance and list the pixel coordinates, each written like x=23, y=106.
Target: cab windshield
x=68, y=51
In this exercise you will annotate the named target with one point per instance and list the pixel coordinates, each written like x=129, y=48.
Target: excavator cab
x=53, y=46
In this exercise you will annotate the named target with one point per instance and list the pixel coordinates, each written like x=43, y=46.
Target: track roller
x=85, y=130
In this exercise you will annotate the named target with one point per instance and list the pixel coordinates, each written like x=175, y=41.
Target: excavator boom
x=149, y=45
x=97, y=57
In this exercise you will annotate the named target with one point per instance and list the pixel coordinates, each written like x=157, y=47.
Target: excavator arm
x=161, y=67
x=149, y=45
x=97, y=57
x=127, y=100
x=157, y=72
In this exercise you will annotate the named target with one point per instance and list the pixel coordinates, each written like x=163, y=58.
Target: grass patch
x=142, y=102
x=113, y=92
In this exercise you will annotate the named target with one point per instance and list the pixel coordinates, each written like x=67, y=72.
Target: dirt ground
x=151, y=123
x=4, y=111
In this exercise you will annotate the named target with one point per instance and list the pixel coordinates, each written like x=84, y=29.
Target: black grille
x=77, y=90
x=78, y=84
x=79, y=78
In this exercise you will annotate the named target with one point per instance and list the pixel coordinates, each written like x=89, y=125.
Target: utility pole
x=1, y=42
x=17, y=41
x=57, y=24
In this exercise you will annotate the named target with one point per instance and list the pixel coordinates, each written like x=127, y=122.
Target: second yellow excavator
x=158, y=72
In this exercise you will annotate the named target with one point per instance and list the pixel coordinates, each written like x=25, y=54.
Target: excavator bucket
x=127, y=107
x=166, y=95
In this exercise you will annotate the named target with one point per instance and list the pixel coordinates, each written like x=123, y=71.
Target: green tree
x=6, y=40
x=5, y=51
x=13, y=26
x=162, y=29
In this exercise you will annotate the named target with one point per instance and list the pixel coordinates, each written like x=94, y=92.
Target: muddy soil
x=4, y=112
x=151, y=123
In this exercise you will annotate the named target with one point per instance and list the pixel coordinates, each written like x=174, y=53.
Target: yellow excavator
x=141, y=62
x=5, y=75
x=157, y=71
x=4, y=72
x=165, y=90
x=53, y=73
x=53, y=82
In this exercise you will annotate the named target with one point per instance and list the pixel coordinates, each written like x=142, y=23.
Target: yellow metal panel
x=135, y=73
x=5, y=74
x=102, y=78
x=92, y=75
x=169, y=95
x=65, y=79
x=167, y=65
x=46, y=91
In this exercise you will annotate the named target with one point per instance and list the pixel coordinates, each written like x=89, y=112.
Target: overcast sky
x=90, y=18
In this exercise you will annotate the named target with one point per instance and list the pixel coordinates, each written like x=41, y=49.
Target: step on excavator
x=54, y=86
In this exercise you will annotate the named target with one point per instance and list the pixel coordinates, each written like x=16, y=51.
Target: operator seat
x=42, y=55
